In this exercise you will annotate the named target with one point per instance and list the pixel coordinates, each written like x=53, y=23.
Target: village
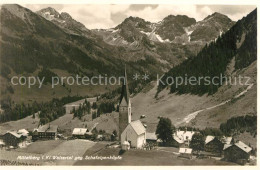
x=130, y=137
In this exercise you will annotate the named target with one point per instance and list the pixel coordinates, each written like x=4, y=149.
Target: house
x=24, y=132
x=182, y=138
x=79, y=132
x=135, y=134
x=185, y=153
x=151, y=137
x=213, y=144
x=12, y=138
x=47, y=131
x=237, y=152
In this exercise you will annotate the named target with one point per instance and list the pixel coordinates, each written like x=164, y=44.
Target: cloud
x=97, y=16
x=139, y=7
x=37, y=7
x=160, y=12
x=234, y=12
x=108, y=16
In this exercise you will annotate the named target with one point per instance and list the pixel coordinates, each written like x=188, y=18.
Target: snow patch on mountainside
x=188, y=32
x=155, y=37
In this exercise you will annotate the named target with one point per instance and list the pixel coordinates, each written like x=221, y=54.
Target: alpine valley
x=48, y=43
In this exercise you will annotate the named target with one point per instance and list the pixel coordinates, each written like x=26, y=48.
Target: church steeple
x=124, y=106
x=125, y=91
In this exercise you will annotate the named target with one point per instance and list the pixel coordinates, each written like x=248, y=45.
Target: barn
x=213, y=144
x=135, y=134
x=79, y=132
x=12, y=138
x=237, y=152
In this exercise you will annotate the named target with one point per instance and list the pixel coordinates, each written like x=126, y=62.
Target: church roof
x=138, y=127
x=124, y=93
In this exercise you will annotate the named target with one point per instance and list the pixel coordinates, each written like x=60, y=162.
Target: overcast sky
x=108, y=16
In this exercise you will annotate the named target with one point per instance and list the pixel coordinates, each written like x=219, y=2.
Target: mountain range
x=47, y=39
x=239, y=44
x=49, y=43
x=178, y=29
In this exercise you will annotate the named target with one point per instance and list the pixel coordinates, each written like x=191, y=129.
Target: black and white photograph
x=128, y=84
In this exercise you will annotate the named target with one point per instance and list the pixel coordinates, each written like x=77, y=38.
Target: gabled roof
x=151, y=136
x=48, y=128
x=243, y=146
x=138, y=127
x=79, y=131
x=209, y=139
x=224, y=140
x=124, y=93
x=226, y=146
x=24, y=132
x=14, y=133
x=240, y=145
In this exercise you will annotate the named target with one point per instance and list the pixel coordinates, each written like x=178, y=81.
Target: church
x=132, y=132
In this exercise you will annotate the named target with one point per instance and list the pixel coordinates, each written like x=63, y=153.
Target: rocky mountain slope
x=178, y=29
x=32, y=44
x=49, y=40
x=65, y=21
x=201, y=111
x=238, y=43
x=175, y=38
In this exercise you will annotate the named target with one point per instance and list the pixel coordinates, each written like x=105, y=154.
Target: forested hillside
x=212, y=60
x=34, y=46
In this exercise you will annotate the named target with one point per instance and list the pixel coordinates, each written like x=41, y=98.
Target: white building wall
x=141, y=140
x=134, y=140
x=129, y=135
